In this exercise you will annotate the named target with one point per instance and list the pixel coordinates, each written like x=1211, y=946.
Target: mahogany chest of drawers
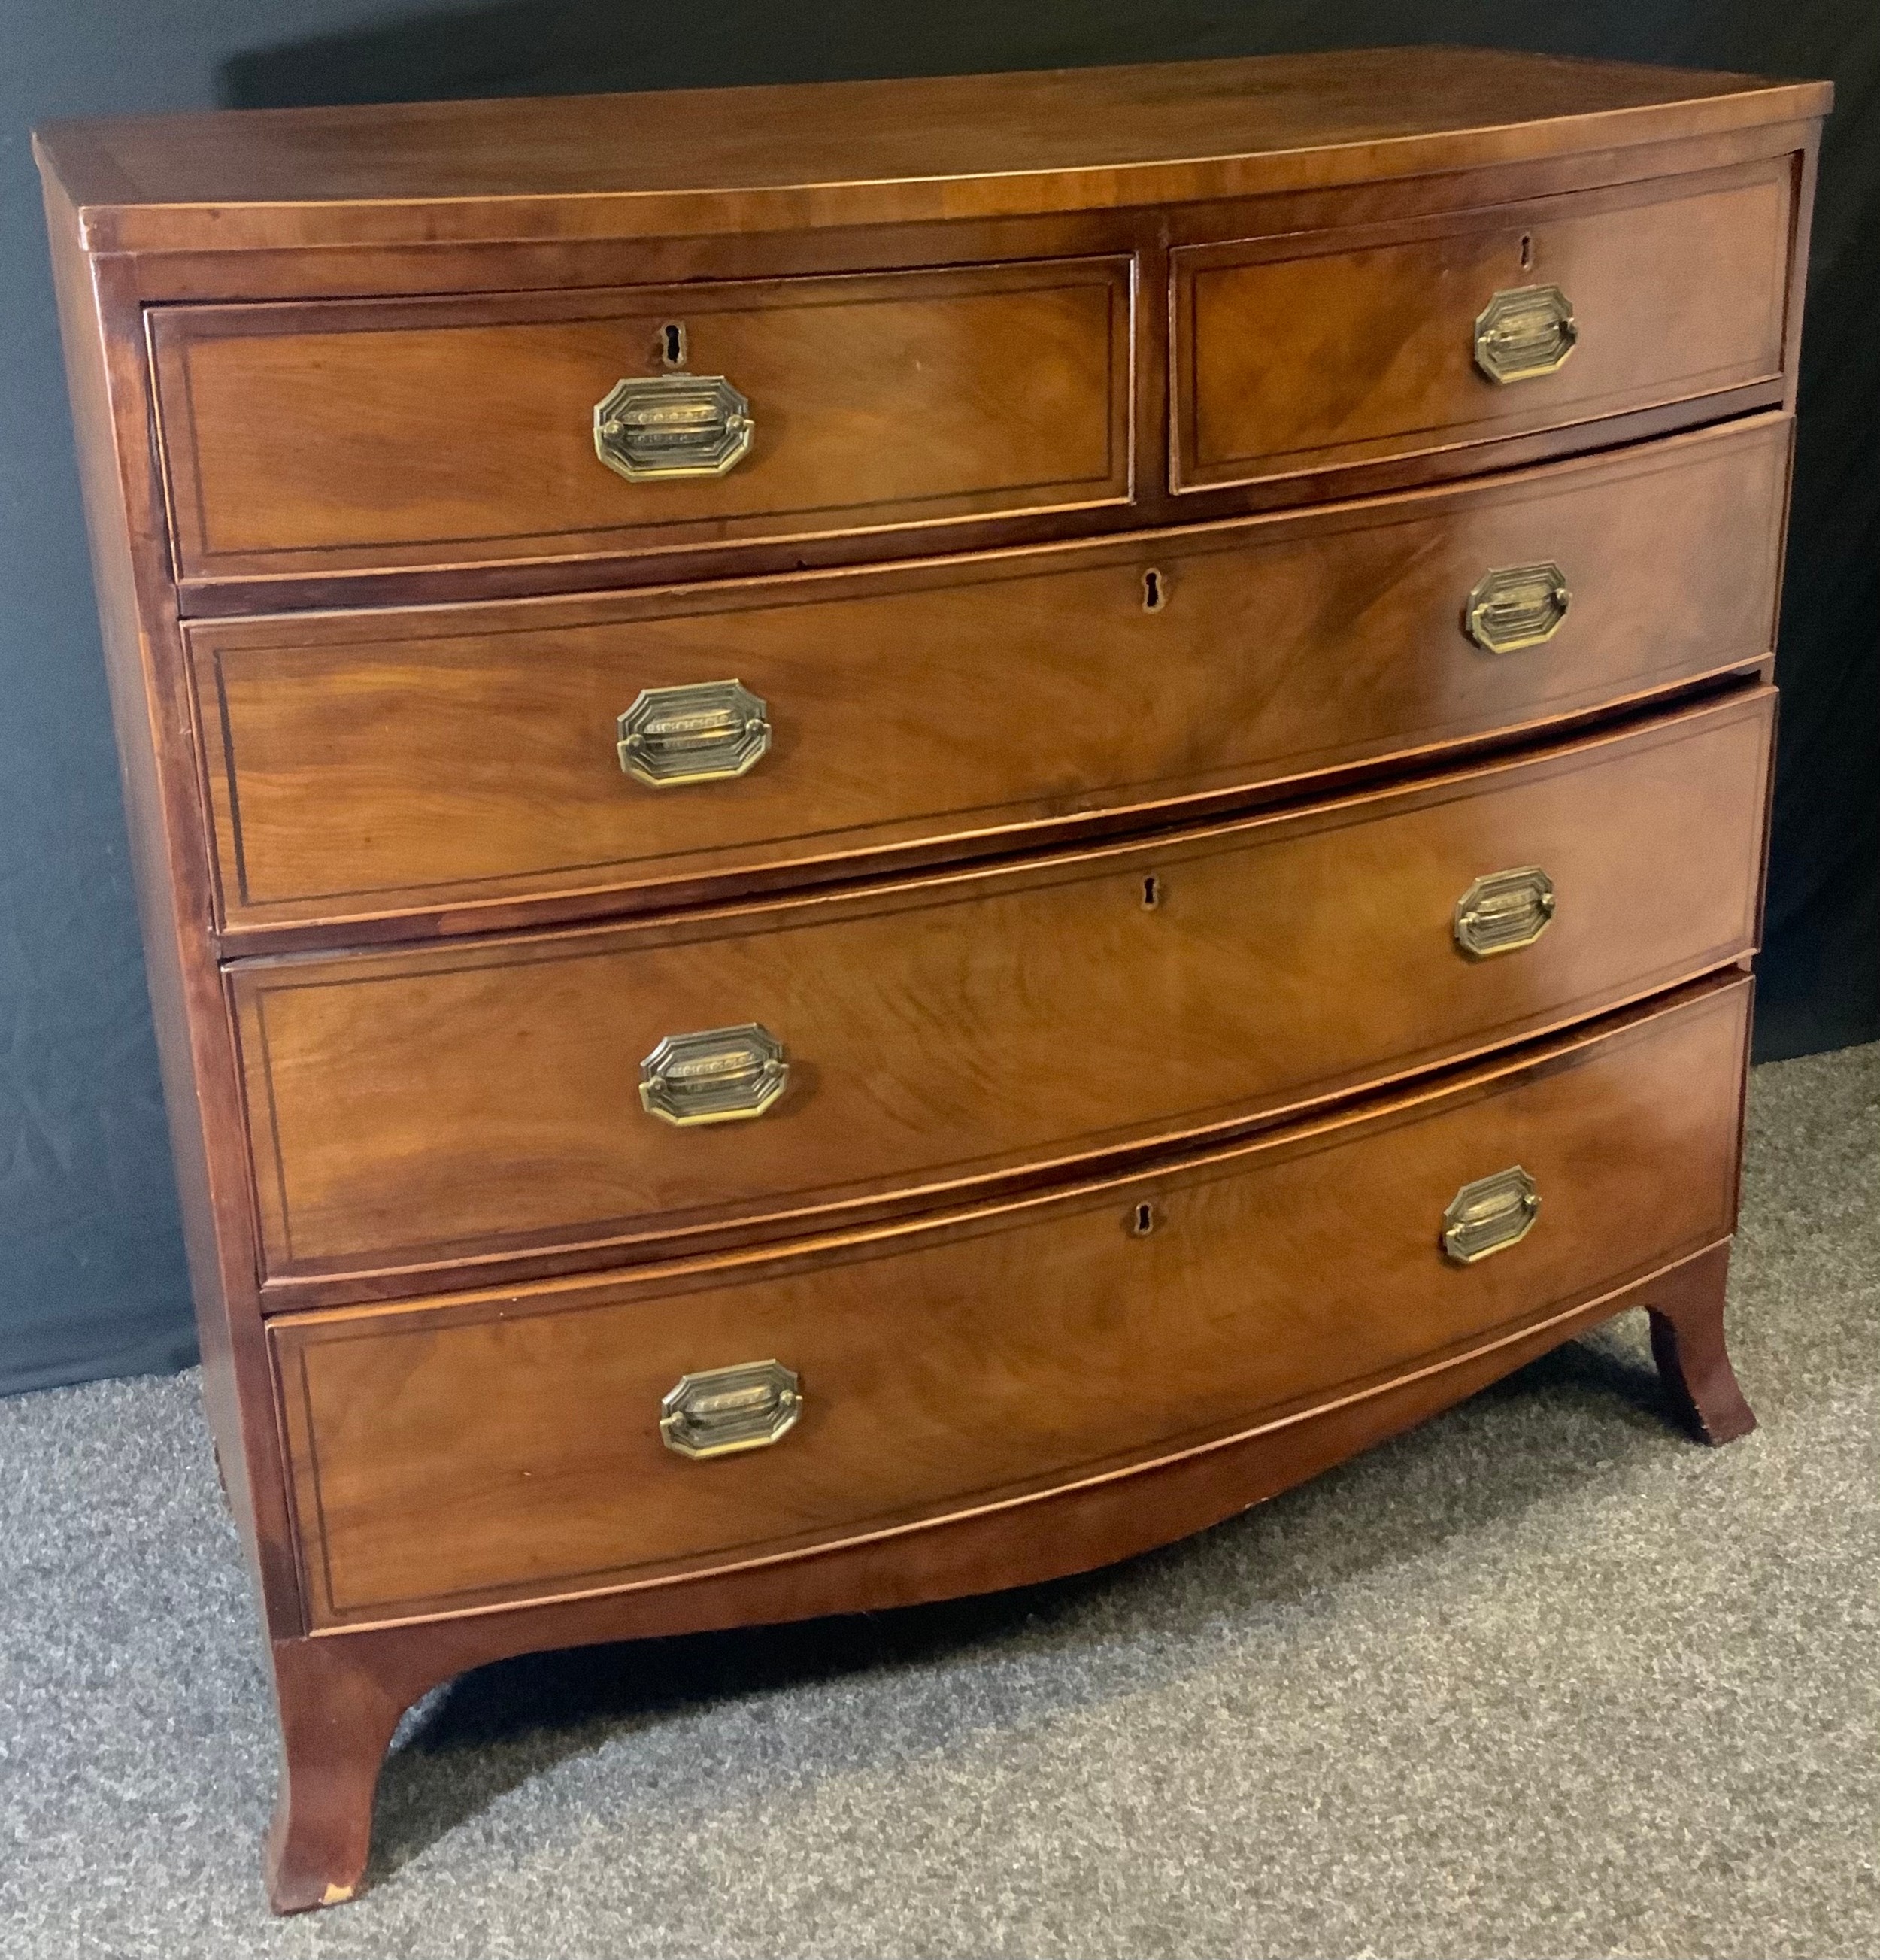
x=895, y=836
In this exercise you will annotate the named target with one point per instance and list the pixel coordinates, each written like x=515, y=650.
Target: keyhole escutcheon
x=672, y=343
x=1151, y=892
x=1155, y=591
x=1144, y=1220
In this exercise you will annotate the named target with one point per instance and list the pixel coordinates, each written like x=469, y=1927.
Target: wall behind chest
x=91, y=1274
x=91, y=1271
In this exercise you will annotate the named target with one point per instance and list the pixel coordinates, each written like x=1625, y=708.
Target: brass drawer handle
x=654, y=427
x=1519, y=605
x=705, y=732
x=717, y=1075
x=1504, y=911
x=1490, y=1215
x=1524, y=332
x=720, y=1410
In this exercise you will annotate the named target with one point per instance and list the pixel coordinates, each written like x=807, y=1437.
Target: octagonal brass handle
x=703, y=732
x=721, y=1411
x=654, y=427
x=715, y=1075
x=1504, y=911
x=1524, y=332
x=1519, y=605
x=1490, y=1215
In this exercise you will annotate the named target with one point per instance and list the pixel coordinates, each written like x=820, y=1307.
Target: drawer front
x=371, y=766
x=1295, y=354
x=351, y=435
x=520, y=1096
x=458, y=1452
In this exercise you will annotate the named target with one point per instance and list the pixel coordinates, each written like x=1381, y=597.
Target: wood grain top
x=710, y=160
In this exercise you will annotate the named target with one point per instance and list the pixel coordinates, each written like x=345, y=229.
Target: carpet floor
x=1544, y=1678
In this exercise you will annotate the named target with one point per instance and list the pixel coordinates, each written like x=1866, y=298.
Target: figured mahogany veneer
x=420, y=1108
x=459, y=762
x=1679, y=288
x=881, y=400
x=483, y=1447
x=1163, y=622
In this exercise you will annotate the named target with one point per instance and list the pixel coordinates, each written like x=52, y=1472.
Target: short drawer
x=369, y=435
x=447, y=761
x=1298, y=354
x=576, y=1437
x=573, y=1093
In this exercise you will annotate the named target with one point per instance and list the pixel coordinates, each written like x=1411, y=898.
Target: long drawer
x=1308, y=352
x=573, y=1093
x=584, y=1435
x=368, y=434
x=443, y=762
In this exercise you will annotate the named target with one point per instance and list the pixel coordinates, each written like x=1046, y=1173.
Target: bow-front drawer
x=577, y=1436
x=375, y=766
x=576, y=1092
x=1313, y=351
x=375, y=435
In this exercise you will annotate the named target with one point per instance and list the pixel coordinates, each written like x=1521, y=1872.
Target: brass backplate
x=720, y=1411
x=1519, y=605
x=705, y=731
x=1524, y=332
x=1504, y=911
x=654, y=427
x=1490, y=1215
x=716, y=1075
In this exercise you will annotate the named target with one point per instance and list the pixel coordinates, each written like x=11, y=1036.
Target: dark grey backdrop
x=91, y=1273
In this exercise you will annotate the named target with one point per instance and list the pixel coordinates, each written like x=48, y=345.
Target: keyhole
x=1155, y=592
x=1143, y=1222
x=1151, y=892
x=1527, y=251
x=672, y=343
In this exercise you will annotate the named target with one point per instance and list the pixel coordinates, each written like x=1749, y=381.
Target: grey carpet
x=1543, y=1678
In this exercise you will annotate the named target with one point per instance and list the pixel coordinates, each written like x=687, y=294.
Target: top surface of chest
x=801, y=157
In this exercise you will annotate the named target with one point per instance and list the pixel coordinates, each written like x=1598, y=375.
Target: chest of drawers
x=895, y=836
